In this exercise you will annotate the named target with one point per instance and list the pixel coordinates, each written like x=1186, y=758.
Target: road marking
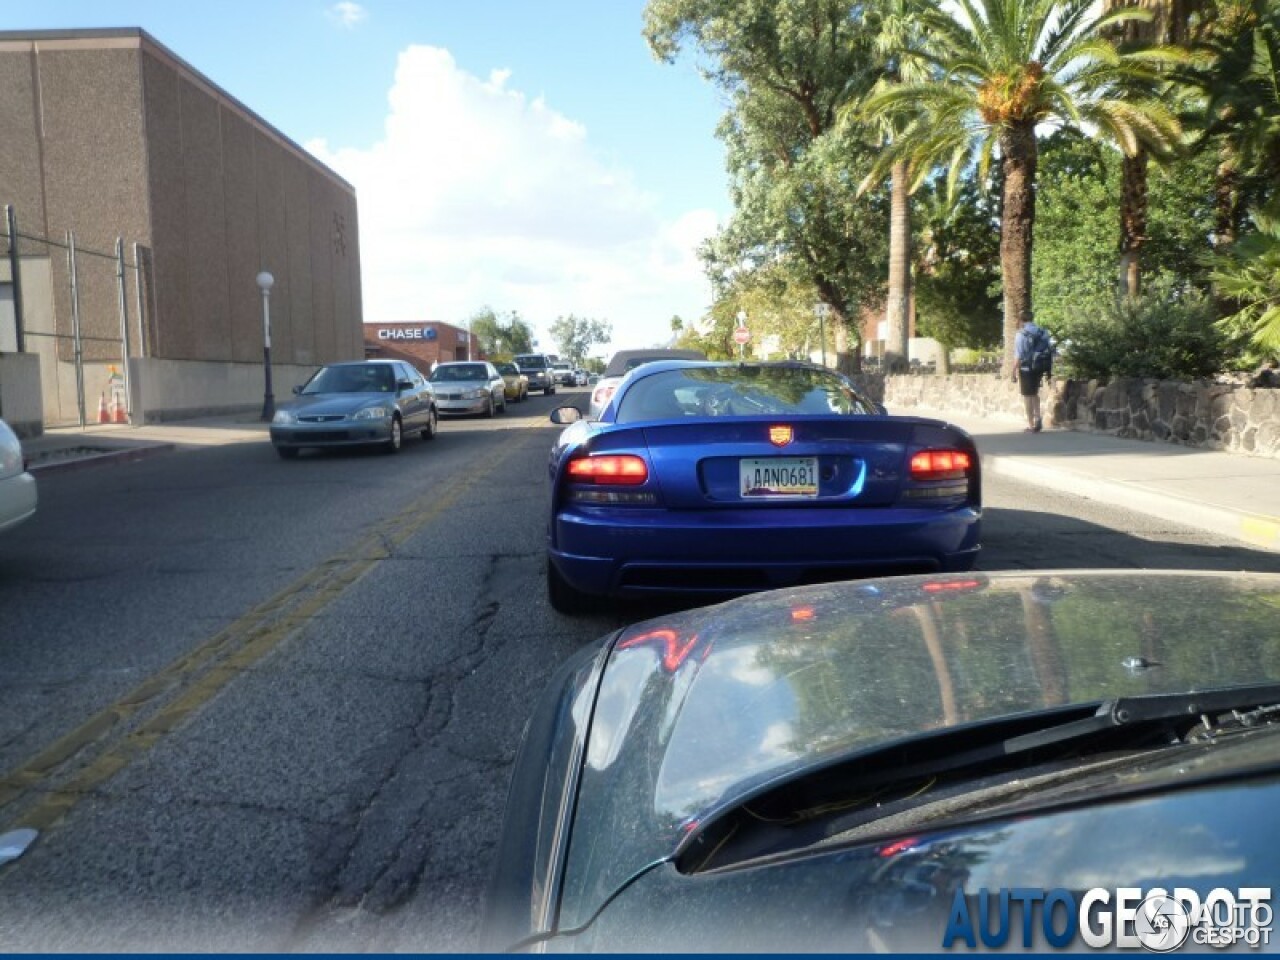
x=226, y=655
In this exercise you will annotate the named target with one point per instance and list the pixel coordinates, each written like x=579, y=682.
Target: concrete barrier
x=1215, y=416
x=20, y=402
x=167, y=390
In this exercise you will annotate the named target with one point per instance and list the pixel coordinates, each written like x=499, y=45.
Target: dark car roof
x=625, y=360
x=793, y=679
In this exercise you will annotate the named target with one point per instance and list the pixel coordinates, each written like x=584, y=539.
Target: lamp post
x=822, y=309
x=740, y=338
x=265, y=282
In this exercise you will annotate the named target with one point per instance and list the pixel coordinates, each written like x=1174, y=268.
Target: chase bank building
x=422, y=344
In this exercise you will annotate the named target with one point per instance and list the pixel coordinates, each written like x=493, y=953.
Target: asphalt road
x=266, y=705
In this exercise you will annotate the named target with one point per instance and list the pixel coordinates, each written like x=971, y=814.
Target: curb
x=127, y=455
x=1255, y=529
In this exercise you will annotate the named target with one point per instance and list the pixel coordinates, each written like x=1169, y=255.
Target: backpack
x=1042, y=353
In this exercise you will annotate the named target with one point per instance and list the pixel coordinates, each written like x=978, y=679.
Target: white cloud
x=479, y=194
x=348, y=14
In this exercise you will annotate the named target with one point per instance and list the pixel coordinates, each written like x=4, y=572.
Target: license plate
x=778, y=477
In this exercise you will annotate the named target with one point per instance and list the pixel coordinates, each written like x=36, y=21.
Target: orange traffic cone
x=104, y=415
x=121, y=414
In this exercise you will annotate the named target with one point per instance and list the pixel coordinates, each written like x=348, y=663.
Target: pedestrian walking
x=1033, y=350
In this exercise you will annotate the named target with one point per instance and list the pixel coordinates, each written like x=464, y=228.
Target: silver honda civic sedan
x=374, y=402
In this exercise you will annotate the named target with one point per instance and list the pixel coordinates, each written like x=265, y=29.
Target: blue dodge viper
x=720, y=478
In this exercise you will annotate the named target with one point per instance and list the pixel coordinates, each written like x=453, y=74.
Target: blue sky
x=528, y=156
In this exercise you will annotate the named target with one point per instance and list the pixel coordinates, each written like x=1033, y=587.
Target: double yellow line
x=201, y=674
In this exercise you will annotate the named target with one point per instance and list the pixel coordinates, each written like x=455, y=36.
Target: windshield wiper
x=810, y=804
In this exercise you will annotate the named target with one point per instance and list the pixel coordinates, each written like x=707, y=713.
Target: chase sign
x=406, y=333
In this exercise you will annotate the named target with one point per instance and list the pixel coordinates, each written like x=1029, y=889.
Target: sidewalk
x=73, y=448
x=1222, y=493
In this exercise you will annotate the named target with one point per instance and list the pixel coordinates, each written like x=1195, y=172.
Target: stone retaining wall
x=1198, y=414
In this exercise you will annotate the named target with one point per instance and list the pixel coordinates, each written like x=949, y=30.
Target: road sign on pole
x=741, y=335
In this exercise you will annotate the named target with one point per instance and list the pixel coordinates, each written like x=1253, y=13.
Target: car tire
x=433, y=425
x=564, y=597
x=287, y=453
x=489, y=410
x=549, y=392
x=503, y=408
x=396, y=439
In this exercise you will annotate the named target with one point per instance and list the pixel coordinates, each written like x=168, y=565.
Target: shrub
x=1165, y=334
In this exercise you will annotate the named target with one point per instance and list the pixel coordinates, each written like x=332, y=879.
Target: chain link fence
x=83, y=311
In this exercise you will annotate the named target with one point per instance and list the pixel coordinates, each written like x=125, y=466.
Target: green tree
x=1079, y=181
x=787, y=67
x=714, y=335
x=1007, y=67
x=574, y=336
x=956, y=276
x=779, y=305
x=499, y=335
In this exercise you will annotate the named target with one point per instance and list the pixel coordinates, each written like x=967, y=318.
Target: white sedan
x=17, y=487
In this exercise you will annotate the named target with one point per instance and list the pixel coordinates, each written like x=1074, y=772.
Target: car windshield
x=459, y=371
x=352, y=378
x=739, y=391
x=531, y=363
x=508, y=369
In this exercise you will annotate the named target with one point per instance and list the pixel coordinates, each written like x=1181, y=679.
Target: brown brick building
x=109, y=134
x=422, y=344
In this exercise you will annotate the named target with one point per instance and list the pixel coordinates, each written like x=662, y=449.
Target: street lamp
x=265, y=282
x=742, y=341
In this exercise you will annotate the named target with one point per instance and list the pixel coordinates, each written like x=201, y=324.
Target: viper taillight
x=940, y=464
x=617, y=469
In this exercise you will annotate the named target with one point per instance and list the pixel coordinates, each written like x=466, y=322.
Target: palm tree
x=1006, y=67
x=1249, y=273
x=901, y=43
x=1239, y=86
x=1170, y=23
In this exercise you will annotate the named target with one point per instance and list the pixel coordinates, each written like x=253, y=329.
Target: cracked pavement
x=344, y=790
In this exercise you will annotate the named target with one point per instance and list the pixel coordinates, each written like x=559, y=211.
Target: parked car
x=356, y=404
x=537, y=367
x=622, y=363
x=715, y=478
x=469, y=386
x=515, y=383
x=579, y=377
x=18, y=495
x=563, y=372
x=869, y=767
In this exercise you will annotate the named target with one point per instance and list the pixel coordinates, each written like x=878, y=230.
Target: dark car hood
x=703, y=707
